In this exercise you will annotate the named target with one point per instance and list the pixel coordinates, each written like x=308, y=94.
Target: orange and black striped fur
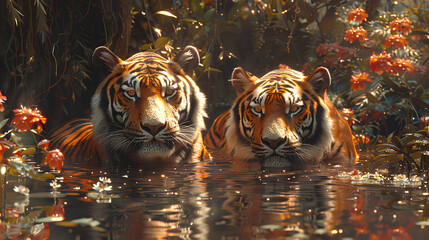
x=284, y=119
x=146, y=110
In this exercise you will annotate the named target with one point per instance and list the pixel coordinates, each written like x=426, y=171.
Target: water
x=218, y=200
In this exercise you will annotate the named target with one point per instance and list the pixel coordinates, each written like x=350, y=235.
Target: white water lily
x=101, y=187
x=22, y=189
x=54, y=184
x=104, y=180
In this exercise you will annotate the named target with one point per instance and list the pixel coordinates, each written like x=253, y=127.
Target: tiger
x=283, y=119
x=145, y=110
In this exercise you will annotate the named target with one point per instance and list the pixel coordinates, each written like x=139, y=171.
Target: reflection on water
x=214, y=200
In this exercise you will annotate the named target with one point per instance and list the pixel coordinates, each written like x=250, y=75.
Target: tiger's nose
x=273, y=144
x=153, y=129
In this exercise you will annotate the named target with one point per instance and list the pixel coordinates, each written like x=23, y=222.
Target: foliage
x=20, y=147
x=403, y=154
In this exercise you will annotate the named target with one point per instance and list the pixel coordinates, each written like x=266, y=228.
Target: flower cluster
x=399, y=66
x=357, y=15
x=402, y=25
x=380, y=63
x=398, y=40
x=358, y=81
x=353, y=34
x=26, y=119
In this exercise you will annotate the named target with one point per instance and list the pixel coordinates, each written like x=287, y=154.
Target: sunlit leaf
x=207, y=60
x=161, y=42
x=29, y=151
x=166, y=13
x=146, y=46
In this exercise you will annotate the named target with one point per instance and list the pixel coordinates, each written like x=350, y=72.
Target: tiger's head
x=147, y=107
x=280, y=117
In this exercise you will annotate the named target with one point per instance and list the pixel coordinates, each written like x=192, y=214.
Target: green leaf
x=166, y=13
x=161, y=42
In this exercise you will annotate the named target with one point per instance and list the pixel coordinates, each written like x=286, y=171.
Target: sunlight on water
x=219, y=200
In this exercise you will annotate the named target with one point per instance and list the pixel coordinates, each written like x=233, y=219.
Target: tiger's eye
x=293, y=109
x=169, y=91
x=258, y=109
x=131, y=93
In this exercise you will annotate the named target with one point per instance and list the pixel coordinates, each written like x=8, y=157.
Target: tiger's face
x=147, y=107
x=280, y=118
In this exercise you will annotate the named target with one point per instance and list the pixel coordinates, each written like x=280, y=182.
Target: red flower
x=345, y=52
x=403, y=25
x=358, y=81
x=357, y=15
x=26, y=119
x=2, y=100
x=380, y=63
x=353, y=34
x=399, y=66
x=325, y=48
x=44, y=144
x=55, y=159
x=371, y=116
x=4, y=146
x=397, y=40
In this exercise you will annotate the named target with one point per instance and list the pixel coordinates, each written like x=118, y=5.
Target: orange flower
x=403, y=25
x=44, y=144
x=358, y=81
x=2, y=100
x=399, y=66
x=380, y=63
x=398, y=40
x=353, y=34
x=55, y=159
x=4, y=146
x=357, y=15
x=26, y=119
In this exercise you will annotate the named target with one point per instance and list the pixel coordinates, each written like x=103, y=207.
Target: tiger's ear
x=242, y=80
x=104, y=61
x=188, y=59
x=320, y=79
